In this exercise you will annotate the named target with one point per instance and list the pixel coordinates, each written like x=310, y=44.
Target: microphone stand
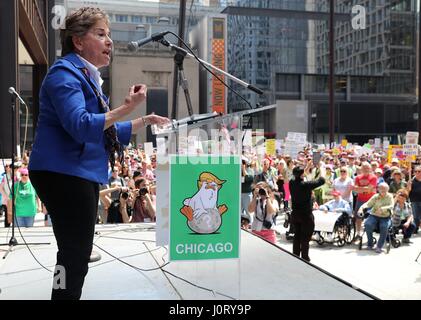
x=179, y=56
x=173, y=47
x=13, y=242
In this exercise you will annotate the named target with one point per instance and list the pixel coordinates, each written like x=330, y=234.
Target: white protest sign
x=294, y=143
x=411, y=137
x=410, y=149
x=321, y=147
x=377, y=143
x=149, y=148
x=279, y=145
x=298, y=137
x=247, y=142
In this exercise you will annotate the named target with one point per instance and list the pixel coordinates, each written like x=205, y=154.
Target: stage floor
x=264, y=271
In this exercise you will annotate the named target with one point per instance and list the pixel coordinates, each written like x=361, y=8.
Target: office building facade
x=285, y=52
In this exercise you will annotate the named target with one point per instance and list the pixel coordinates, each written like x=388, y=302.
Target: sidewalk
x=388, y=276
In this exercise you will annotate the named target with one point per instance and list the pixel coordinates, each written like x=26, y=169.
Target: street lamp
x=164, y=19
x=313, y=125
x=146, y=27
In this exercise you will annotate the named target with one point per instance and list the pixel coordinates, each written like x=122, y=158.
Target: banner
x=271, y=147
x=397, y=151
x=204, y=207
x=218, y=60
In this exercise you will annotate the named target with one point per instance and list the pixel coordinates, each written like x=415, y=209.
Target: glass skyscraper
x=285, y=52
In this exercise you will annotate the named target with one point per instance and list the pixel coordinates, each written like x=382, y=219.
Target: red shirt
x=364, y=181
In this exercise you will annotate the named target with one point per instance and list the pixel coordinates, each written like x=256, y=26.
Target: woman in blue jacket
x=77, y=135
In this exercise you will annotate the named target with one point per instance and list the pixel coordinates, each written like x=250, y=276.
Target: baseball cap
x=335, y=193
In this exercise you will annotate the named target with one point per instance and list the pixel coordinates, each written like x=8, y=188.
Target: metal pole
x=419, y=70
x=331, y=73
x=181, y=27
x=13, y=240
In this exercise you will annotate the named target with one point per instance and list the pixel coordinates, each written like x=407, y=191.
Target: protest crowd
x=376, y=191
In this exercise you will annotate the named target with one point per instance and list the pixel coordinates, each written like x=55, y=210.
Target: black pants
x=72, y=204
x=4, y=210
x=303, y=230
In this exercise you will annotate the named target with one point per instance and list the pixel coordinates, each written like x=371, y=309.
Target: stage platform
x=264, y=271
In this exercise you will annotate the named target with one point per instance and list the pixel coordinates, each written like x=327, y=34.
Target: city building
x=25, y=30
x=282, y=47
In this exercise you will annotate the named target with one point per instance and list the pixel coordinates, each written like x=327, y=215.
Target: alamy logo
x=59, y=280
x=358, y=22
x=59, y=19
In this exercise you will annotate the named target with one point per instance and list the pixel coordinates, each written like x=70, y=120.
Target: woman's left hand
x=155, y=119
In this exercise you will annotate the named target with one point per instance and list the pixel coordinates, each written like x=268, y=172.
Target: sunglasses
x=402, y=195
x=23, y=175
x=417, y=171
x=343, y=171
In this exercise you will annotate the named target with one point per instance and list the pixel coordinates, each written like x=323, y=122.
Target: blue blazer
x=70, y=132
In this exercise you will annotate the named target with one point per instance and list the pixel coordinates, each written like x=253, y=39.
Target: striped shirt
x=400, y=214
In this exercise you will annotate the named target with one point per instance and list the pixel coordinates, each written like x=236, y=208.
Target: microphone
x=13, y=92
x=134, y=45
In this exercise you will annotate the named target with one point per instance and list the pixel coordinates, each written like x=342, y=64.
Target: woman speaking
x=77, y=135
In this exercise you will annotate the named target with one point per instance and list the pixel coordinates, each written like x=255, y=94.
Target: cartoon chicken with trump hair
x=201, y=210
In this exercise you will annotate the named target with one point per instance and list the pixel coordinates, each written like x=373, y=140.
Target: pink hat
x=335, y=193
x=23, y=170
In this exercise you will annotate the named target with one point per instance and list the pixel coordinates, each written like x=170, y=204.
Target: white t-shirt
x=259, y=215
x=343, y=186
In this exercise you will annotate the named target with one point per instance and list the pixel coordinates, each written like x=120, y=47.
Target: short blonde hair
x=78, y=24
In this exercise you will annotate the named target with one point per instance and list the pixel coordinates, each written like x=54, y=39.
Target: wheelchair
x=287, y=223
x=391, y=239
x=343, y=231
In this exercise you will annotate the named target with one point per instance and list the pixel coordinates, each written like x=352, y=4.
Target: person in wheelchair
x=336, y=205
x=402, y=218
x=381, y=206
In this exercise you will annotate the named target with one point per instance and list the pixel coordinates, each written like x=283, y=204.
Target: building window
x=136, y=19
x=150, y=19
x=121, y=18
x=287, y=83
x=316, y=84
